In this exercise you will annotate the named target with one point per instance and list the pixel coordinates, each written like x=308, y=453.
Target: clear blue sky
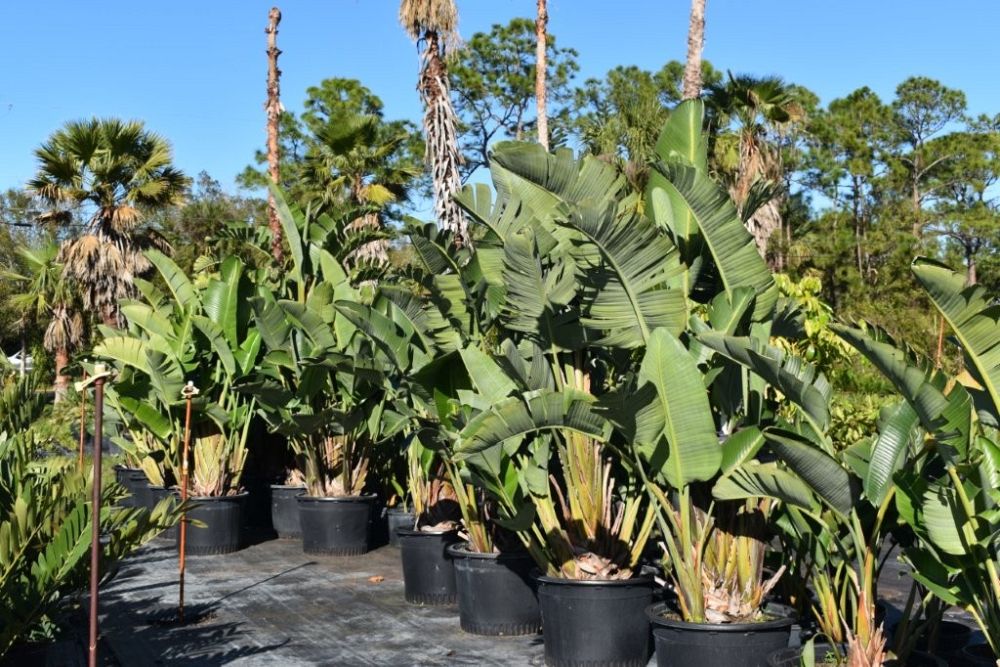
x=195, y=71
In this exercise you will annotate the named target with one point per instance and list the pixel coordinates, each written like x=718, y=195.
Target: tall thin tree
x=696, y=43
x=273, y=109
x=434, y=24
x=541, y=66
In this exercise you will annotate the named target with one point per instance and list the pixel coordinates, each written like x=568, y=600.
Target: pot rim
x=461, y=550
x=563, y=581
x=364, y=498
x=411, y=532
x=398, y=510
x=654, y=611
x=235, y=496
x=945, y=623
x=288, y=486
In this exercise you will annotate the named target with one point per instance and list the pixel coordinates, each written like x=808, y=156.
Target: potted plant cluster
x=203, y=334
x=322, y=384
x=600, y=405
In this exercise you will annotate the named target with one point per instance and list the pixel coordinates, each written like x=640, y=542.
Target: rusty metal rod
x=95, y=538
x=188, y=392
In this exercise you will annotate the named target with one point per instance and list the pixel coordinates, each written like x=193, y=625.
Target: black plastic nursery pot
x=285, y=510
x=952, y=637
x=976, y=655
x=679, y=643
x=158, y=493
x=398, y=518
x=595, y=623
x=428, y=573
x=496, y=594
x=137, y=484
x=222, y=517
x=335, y=526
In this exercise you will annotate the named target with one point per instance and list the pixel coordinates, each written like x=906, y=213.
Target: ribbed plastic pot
x=679, y=643
x=398, y=518
x=285, y=510
x=137, y=484
x=428, y=573
x=223, y=519
x=977, y=655
x=589, y=623
x=952, y=638
x=158, y=493
x=496, y=594
x=335, y=526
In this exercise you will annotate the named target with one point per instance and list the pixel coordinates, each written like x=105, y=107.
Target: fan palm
x=435, y=23
x=113, y=172
x=47, y=295
x=361, y=159
x=757, y=106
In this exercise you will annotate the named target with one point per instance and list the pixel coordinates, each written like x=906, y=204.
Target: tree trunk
x=918, y=226
x=696, y=43
x=62, y=381
x=442, y=140
x=273, y=109
x=970, y=262
x=541, y=67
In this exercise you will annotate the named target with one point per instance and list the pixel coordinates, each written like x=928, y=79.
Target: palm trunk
x=273, y=110
x=62, y=381
x=696, y=43
x=441, y=138
x=541, y=66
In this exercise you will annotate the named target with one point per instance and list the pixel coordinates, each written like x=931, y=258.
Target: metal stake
x=100, y=375
x=189, y=392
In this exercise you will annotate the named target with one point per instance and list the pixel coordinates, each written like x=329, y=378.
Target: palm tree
x=758, y=107
x=46, y=294
x=696, y=43
x=541, y=25
x=363, y=160
x=113, y=173
x=435, y=24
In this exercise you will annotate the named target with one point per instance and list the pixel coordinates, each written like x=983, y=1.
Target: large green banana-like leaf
x=427, y=322
x=764, y=480
x=933, y=510
x=740, y=447
x=502, y=218
x=310, y=323
x=532, y=413
x=217, y=339
x=149, y=320
x=948, y=416
x=796, y=379
x=490, y=381
x=291, y=233
x=125, y=350
x=382, y=331
x=185, y=295
x=224, y=298
x=974, y=317
x=679, y=414
x=625, y=284
x=535, y=293
x=733, y=249
x=897, y=428
x=683, y=140
x=271, y=322
x=816, y=468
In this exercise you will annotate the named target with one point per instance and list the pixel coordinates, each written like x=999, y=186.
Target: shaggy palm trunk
x=374, y=251
x=62, y=381
x=442, y=141
x=696, y=43
x=541, y=65
x=766, y=219
x=273, y=109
